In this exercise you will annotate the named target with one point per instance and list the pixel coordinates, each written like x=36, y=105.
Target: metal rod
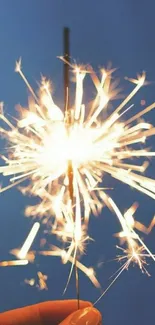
x=67, y=104
x=77, y=284
x=68, y=118
x=66, y=69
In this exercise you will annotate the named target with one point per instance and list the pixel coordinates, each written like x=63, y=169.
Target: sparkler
x=65, y=155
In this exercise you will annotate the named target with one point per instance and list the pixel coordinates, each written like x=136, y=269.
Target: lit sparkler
x=43, y=144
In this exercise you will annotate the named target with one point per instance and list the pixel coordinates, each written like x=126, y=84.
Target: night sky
x=102, y=31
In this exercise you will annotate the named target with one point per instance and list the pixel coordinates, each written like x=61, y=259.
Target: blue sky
x=121, y=32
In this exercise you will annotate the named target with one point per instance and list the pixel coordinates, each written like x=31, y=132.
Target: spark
x=89, y=272
x=135, y=253
x=13, y=263
x=30, y=282
x=42, y=278
x=41, y=285
x=136, y=256
x=134, y=224
x=24, y=252
x=29, y=240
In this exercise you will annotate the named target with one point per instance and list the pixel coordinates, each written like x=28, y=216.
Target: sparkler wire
x=68, y=118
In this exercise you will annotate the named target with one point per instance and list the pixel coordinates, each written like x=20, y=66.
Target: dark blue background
x=123, y=32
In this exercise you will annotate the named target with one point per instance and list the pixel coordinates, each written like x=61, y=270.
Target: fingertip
x=86, y=316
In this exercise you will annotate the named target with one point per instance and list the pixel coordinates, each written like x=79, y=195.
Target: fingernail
x=86, y=316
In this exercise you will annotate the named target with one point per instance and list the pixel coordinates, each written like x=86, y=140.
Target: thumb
x=86, y=316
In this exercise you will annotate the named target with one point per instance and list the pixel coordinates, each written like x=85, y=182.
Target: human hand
x=53, y=313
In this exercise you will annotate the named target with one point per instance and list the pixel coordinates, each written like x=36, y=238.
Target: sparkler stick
x=66, y=69
x=68, y=117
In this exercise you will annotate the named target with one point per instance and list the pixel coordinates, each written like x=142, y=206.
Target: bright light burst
x=42, y=144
